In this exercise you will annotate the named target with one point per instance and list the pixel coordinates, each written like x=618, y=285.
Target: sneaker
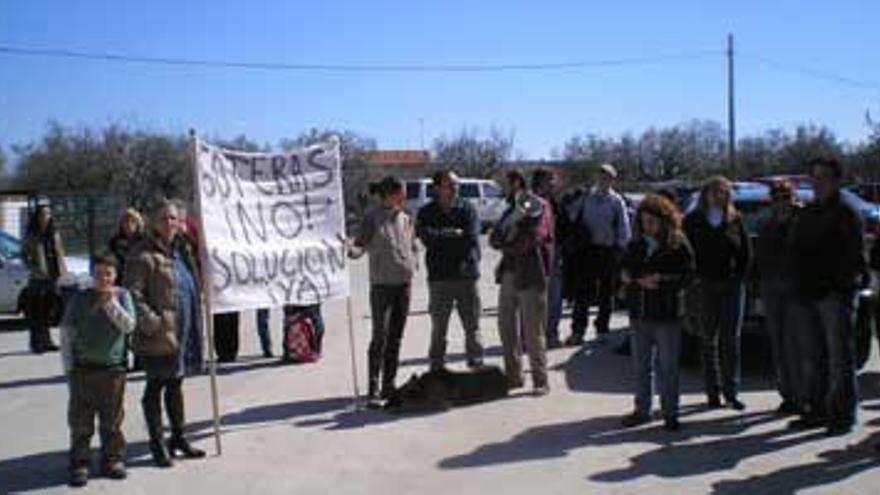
x=807, y=423
x=787, y=408
x=541, y=390
x=714, y=402
x=115, y=471
x=574, y=340
x=374, y=402
x=735, y=404
x=475, y=363
x=387, y=392
x=671, y=424
x=838, y=429
x=634, y=419
x=78, y=477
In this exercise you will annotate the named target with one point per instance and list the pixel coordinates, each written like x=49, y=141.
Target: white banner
x=274, y=226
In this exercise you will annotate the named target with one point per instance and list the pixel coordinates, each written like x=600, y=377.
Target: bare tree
x=471, y=153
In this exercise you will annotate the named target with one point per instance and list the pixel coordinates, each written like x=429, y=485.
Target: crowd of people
x=585, y=247
x=675, y=268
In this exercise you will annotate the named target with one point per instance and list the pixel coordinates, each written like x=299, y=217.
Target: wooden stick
x=205, y=293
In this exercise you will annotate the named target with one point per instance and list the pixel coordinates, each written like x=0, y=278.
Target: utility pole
x=731, y=118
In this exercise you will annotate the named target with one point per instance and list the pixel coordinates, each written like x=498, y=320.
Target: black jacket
x=675, y=267
x=723, y=252
x=827, y=249
x=452, y=240
x=773, y=247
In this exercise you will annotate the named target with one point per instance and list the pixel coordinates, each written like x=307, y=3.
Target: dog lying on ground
x=442, y=389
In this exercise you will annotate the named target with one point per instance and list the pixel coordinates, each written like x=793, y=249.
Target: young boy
x=389, y=238
x=94, y=327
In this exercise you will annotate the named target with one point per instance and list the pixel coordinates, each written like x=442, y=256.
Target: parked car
x=752, y=200
x=856, y=196
x=485, y=195
x=14, y=275
x=869, y=191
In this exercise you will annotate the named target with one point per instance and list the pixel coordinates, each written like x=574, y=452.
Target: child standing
x=389, y=238
x=94, y=356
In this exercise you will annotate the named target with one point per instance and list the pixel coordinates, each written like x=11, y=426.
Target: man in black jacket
x=449, y=228
x=828, y=261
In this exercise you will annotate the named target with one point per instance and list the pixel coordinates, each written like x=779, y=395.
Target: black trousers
x=389, y=305
x=41, y=304
x=172, y=389
x=226, y=336
x=597, y=287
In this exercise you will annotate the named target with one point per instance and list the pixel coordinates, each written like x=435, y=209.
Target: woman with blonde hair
x=130, y=230
x=657, y=267
x=722, y=248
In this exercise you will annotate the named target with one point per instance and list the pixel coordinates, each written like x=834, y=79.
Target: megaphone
x=528, y=206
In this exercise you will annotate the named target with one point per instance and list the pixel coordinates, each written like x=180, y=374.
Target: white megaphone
x=528, y=206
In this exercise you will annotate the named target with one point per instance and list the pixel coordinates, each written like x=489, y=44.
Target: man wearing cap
x=602, y=213
x=449, y=228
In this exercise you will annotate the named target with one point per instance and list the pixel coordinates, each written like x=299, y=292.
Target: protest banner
x=273, y=226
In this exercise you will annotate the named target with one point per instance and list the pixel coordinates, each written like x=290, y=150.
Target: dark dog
x=440, y=390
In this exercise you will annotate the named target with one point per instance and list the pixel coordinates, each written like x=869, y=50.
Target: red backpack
x=300, y=340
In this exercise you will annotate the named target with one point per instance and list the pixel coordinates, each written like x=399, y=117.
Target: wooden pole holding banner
x=354, y=375
x=334, y=139
x=207, y=316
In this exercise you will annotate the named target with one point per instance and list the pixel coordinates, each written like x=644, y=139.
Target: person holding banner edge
x=387, y=234
x=449, y=228
x=164, y=285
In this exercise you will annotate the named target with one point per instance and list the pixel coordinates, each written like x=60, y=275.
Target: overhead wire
x=311, y=67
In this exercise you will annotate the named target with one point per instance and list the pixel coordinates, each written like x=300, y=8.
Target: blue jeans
x=722, y=307
x=830, y=362
x=263, y=330
x=777, y=294
x=656, y=347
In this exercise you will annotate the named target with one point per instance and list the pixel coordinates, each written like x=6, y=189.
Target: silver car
x=14, y=274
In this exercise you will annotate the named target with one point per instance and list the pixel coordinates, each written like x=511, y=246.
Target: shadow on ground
x=832, y=466
x=601, y=368
x=672, y=459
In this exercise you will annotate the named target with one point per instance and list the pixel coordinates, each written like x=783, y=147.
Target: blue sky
x=543, y=108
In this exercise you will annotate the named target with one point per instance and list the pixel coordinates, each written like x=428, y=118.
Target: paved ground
x=293, y=430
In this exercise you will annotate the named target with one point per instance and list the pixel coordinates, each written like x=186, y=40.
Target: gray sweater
x=388, y=236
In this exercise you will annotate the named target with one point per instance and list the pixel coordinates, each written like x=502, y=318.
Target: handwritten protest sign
x=273, y=226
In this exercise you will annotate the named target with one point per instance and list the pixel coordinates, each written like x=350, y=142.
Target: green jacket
x=93, y=333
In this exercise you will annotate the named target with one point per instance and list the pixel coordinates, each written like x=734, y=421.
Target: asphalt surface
x=293, y=429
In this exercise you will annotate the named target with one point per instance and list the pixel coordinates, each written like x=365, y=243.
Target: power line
x=807, y=71
x=284, y=66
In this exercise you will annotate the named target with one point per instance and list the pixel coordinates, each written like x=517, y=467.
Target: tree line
x=141, y=165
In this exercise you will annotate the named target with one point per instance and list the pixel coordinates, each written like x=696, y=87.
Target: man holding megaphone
x=524, y=235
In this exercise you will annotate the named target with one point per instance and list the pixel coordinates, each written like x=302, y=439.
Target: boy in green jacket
x=93, y=351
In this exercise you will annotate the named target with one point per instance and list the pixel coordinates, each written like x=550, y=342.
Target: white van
x=486, y=196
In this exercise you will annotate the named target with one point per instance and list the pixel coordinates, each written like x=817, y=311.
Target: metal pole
x=207, y=316
x=731, y=117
